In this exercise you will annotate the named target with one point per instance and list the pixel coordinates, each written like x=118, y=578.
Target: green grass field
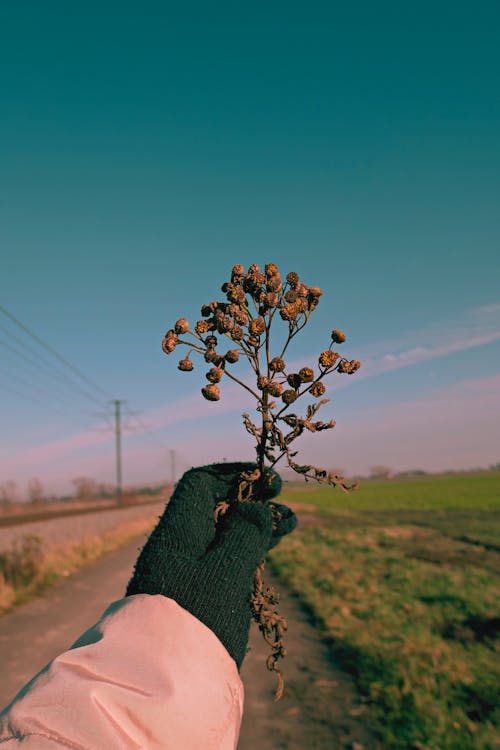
x=403, y=576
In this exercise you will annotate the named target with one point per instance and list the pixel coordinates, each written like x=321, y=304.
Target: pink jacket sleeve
x=147, y=676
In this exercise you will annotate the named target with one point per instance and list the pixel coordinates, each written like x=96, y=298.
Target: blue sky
x=145, y=150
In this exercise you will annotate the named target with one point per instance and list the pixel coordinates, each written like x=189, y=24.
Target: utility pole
x=172, y=466
x=118, y=434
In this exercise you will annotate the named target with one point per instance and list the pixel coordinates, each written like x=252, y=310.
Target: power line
x=30, y=397
x=139, y=422
x=52, y=351
x=60, y=406
x=39, y=358
x=56, y=372
x=36, y=386
x=38, y=366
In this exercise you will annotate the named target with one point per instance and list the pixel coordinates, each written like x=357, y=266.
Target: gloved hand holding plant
x=255, y=300
x=205, y=567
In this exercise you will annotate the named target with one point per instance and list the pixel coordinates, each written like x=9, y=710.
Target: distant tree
x=380, y=472
x=85, y=488
x=411, y=473
x=106, y=490
x=8, y=493
x=35, y=491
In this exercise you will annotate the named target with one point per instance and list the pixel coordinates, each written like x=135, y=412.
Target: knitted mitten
x=208, y=570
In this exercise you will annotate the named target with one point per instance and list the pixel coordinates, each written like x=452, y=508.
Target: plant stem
x=240, y=382
x=263, y=439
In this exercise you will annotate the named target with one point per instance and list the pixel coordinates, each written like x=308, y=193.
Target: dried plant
x=254, y=299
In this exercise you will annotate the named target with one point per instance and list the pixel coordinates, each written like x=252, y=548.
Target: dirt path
x=316, y=712
x=36, y=632
x=320, y=709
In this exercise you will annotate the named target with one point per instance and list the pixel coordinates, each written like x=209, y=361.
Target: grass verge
x=411, y=610
x=27, y=567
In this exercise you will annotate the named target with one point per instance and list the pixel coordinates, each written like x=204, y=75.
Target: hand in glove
x=209, y=570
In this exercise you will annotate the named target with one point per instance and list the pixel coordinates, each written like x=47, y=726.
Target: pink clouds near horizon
x=91, y=452
x=454, y=426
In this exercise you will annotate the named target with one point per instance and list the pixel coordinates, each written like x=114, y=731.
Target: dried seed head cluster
x=243, y=320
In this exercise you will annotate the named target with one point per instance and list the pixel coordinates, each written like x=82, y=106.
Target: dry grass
x=29, y=566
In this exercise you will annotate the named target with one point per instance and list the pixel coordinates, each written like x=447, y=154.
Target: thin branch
x=193, y=346
x=237, y=380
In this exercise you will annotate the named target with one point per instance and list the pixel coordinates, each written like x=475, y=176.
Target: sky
x=145, y=149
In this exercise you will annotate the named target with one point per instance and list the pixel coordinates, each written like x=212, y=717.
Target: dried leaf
x=325, y=425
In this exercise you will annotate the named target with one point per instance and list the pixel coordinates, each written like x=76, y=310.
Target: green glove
x=209, y=571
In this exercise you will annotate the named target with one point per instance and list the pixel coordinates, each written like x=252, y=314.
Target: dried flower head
x=273, y=283
x=237, y=273
x=257, y=326
x=338, y=336
x=214, y=375
x=313, y=296
x=294, y=380
x=182, y=326
x=212, y=356
x=211, y=392
x=271, y=269
x=317, y=390
x=211, y=342
x=292, y=278
x=185, y=364
x=315, y=291
x=225, y=324
x=275, y=389
x=253, y=281
x=328, y=358
x=202, y=326
x=270, y=299
x=277, y=364
x=237, y=334
x=289, y=312
x=306, y=374
x=241, y=318
x=349, y=367
x=169, y=341
x=232, y=356
x=168, y=346
x=289, y=396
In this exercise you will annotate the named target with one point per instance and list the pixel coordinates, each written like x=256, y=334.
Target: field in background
x=403, y=576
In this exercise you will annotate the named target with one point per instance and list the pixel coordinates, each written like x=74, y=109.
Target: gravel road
x=75, y=528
